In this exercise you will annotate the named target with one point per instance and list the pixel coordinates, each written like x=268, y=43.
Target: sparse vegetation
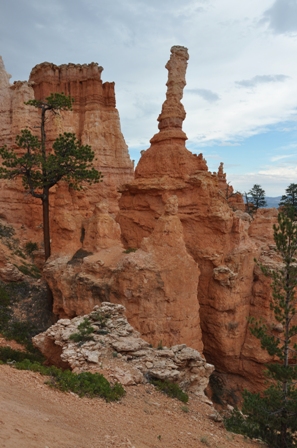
x=83, y=384
x=129, y=250
x=6, y=231
x=85, y=330
x=11, y=356
x=272, y=415
x=171, y=389
x=160, y=345
x=204, y=440
x=29, y=269
x=30, y=247
x=10, y=327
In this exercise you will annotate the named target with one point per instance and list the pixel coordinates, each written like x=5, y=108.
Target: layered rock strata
x=150, y=282
x=94, y=120
x=126, y=357
x=217, y=232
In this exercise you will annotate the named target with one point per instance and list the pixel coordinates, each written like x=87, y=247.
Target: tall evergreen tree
x=256, y=196
x=290, y=198
x=41, y=167
x=272, y=416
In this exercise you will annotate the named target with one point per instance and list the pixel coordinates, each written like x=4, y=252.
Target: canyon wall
x=180, y=254
x=95, y=121
x=219, y=235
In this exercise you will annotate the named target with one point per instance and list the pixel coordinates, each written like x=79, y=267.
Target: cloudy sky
x=241, y=93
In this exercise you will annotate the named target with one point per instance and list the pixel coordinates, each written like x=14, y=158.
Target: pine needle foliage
x=41, y=167
x=272, y=415
x=289, y=199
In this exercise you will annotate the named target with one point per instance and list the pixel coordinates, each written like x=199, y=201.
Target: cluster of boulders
x=114, y=346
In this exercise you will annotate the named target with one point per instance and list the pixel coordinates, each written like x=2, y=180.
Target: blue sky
x=241, y=93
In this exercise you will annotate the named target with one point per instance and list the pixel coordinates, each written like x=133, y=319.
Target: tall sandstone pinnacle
x=94, y=120
x=222, y=239
x=192, y=278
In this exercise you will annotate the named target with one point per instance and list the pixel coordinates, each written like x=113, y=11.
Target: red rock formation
x=192, y=265
x=152, y=283
x=94, y=120
x=235, y=199
x=216, y=236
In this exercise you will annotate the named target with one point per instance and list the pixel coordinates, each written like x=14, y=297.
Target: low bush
x=30, y=247
x=130, y=250
x=84, y=333
x=83, y=384
x=9, y=355
x=171, y=389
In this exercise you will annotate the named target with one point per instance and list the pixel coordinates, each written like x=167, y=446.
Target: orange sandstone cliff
x=94, y=120
x=180, y=254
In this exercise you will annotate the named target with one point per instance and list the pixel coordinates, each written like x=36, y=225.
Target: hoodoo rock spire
x=173, y=112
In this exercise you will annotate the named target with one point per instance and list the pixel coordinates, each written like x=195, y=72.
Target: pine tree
x=290, y=199
x=272, y=415
x=40, y=167
x=256, y=196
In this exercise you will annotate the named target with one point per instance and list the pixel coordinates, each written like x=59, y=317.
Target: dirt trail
x=32, y=415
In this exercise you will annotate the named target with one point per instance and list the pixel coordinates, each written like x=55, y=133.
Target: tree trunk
x=46, y=226
x=47, y=243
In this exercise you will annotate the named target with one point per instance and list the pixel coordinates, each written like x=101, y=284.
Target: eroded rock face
x=150, y=282
x=188, y=273
x=128, y=358
x=94, y=120
x=220, y=236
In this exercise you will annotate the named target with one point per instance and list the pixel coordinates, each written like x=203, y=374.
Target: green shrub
x=29, y=269
x=30, y=247
x=7, y=354
x=5, y=311
x=6, y=231
x=160, y=345
x=171, y=389
x=21, y=332
x=10, y=328
x=85, y=330
x=237, y=423
x=83, y=384
x=19, y=253
x=204, y=440
x=129, y=250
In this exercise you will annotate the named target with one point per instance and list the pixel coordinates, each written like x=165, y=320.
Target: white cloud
x=277, y=158
x=281, y=17
x=206, y=94
x=132, y=40
x=261, y=79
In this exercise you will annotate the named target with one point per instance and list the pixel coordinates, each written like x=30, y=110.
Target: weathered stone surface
x=129, y=360
x=220, y=236
x=100, y=231
x=94, y=120
x=188, y=273
x=151, y=282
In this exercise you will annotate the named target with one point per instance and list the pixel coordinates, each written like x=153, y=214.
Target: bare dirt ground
x=32, y=415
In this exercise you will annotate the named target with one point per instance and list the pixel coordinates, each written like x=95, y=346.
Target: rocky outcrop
x=126, y=357
x=151, y=282
x=94, y=120
x=180, y=256
x=234, y=198
x=215, y=235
